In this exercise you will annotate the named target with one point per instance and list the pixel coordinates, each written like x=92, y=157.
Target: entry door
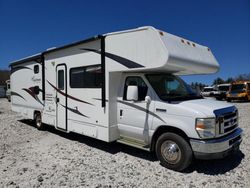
x=134, y=119
x=61, y=99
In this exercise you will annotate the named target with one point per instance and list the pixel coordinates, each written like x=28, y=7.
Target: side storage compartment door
x=61, y=97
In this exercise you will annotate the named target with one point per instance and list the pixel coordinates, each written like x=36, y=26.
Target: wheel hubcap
x=171, y=152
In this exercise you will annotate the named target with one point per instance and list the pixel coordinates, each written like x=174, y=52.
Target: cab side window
x=136, y=81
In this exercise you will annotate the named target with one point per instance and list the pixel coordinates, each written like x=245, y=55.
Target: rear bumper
x=217, y=148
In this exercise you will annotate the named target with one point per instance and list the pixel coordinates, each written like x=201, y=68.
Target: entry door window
x=60, y=80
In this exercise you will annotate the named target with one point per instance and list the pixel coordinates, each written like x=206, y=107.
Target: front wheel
x=173, y=151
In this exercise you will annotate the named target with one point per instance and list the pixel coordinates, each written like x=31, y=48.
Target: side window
x=36, y=69
x=248, y=85
x=86, y=77
x=60, y=79
x=137, y=81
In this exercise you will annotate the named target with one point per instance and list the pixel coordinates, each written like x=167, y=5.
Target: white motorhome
x=124, y=87
x=207, y=91
x=221, y=91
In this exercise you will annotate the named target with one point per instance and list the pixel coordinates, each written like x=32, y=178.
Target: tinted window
x=170, y=87
x=86, y=77
x=224, y=88
x=60, y=80
x=36, y=69
x=237, y=87
x=208, y=89
x=136, y=81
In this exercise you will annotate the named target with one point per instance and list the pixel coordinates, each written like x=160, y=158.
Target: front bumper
x=237, y=96
x=217, y=148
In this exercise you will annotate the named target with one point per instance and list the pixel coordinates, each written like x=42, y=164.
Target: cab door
x=134, y=119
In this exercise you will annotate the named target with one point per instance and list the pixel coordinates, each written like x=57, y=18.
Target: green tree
x=218, y=81
x=229, y=80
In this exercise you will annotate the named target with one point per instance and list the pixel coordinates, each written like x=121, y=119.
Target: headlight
x=205, y=127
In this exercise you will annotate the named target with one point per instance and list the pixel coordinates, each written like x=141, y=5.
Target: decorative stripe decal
x=142, y=109
x=69, y=96
x=126, y=62
x=137, y=107
x=16, y=94
x=106, y=100
x=19, y=68
x=74, y=111
x=32, y=93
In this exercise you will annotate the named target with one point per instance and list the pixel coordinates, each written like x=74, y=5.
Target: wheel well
x=163, y=129
x=36, y=112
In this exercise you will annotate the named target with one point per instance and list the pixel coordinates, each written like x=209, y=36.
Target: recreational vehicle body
x=124, y=87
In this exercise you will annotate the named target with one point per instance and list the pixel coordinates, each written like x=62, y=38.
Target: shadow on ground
x=209, y=167
x=112, y=147
x=239, y=101
x=216, y=167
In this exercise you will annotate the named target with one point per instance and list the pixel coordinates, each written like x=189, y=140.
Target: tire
x=181, y=156
x=38, y=121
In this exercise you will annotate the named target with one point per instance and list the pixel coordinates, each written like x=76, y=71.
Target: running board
x=134, y=143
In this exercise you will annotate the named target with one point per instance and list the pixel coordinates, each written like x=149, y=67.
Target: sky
x=31, y=26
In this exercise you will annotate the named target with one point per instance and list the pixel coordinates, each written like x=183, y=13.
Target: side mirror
x=148, y=99
x=36, y=90
x=132, y=93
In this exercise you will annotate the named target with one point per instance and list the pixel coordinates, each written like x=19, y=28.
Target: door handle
x=161, y=110
x=57, y=99
x=121, y=112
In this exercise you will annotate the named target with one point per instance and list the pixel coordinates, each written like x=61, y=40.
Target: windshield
x=171, y=88
x=208, y=89
x=224, y=88
x=237, y=87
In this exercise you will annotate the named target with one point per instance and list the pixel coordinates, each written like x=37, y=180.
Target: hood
x=205, y=106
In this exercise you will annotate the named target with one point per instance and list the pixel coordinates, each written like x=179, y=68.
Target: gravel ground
x=32, y=158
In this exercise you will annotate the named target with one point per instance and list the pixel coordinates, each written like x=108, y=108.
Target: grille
x=227, y=120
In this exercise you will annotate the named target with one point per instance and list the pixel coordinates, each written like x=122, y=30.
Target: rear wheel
x=173, y=151
x=38, y=121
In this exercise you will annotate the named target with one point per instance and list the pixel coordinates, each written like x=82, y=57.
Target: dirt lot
x=32, y=158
